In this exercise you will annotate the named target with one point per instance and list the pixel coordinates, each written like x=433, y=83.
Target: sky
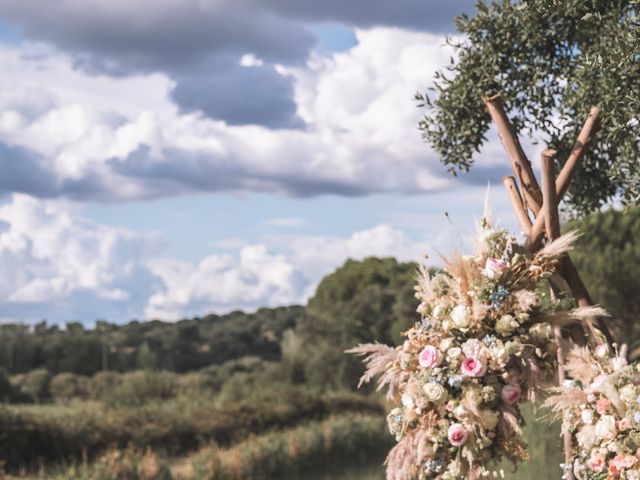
x=162, y=159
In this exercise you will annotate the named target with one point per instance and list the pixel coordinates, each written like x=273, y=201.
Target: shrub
x=139, y=388
x=68, y=386
x=103, y=383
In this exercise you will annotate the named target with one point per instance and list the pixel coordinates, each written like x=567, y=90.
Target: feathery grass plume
x=526, y=300
x=465, y=273
x=580, y=314
x=559, y=246
x=423, y=288
x=401, y=461
x=580, y=365
x=378, y=359
x=564, y=398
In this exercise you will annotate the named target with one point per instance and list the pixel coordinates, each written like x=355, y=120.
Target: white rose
x=435, y=392
x=586, y=437
x=460, y=316
x=606, y=427
x=587, y=416
x=506, y=324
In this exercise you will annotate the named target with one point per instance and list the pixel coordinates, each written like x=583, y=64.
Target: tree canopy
x=551, y=60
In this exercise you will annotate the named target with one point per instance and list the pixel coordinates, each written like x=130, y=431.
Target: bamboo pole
x=590, y=127
x=519, y=161
x=552, y=226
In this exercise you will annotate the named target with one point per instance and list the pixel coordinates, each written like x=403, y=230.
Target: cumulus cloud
x=120, y=138
x=199, y=43
x=57, y=264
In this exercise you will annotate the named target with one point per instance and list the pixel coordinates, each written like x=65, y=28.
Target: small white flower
x=407, y=400
x=438, y=311
x=506, y=324
x=619, y=363
x=587, y=416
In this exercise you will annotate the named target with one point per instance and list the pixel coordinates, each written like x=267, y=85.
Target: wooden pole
x=565, y=176
x=517, y=203
x=552, y=226
x=519, y=161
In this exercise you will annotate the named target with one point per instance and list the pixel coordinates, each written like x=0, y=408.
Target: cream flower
x=506, y=324
x=435, y=392
x=586, y=437
x=460, y=316
x=605, y=428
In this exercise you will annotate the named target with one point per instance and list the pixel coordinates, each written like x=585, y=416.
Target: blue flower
x=636, y=417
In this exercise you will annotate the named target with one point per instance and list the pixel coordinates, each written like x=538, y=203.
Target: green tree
x=363, y=301
x=551, y=60
x=608, y=259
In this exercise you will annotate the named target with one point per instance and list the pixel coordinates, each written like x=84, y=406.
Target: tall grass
x=298, y=452
x=30, y=437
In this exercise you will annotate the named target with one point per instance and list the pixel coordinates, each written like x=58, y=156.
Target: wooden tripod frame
x=543, y=205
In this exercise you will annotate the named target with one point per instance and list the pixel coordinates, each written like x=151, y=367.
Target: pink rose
x=473, y=367
x=511, y=394
x=494, y=268
x=623, y=461
x=602, y=406
x=457, y=435
x=421, y=308
x=430, y=357
x=596, y=462
x=624, y=424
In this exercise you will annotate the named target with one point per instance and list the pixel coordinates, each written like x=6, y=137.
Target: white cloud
x=57, y=264
x=119, y=138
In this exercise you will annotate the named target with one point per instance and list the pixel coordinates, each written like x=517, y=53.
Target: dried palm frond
x=559, y=246
x=581, y=365
x=379, y=359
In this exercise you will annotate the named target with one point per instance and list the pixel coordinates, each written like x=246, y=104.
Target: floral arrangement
x=600, y=407
x=483, y=345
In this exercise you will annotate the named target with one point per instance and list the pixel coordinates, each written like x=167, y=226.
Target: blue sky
x=217, y=155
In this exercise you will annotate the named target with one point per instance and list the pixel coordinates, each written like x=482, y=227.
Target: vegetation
x=551, y=60
x=608, y=259
x=280, y=382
